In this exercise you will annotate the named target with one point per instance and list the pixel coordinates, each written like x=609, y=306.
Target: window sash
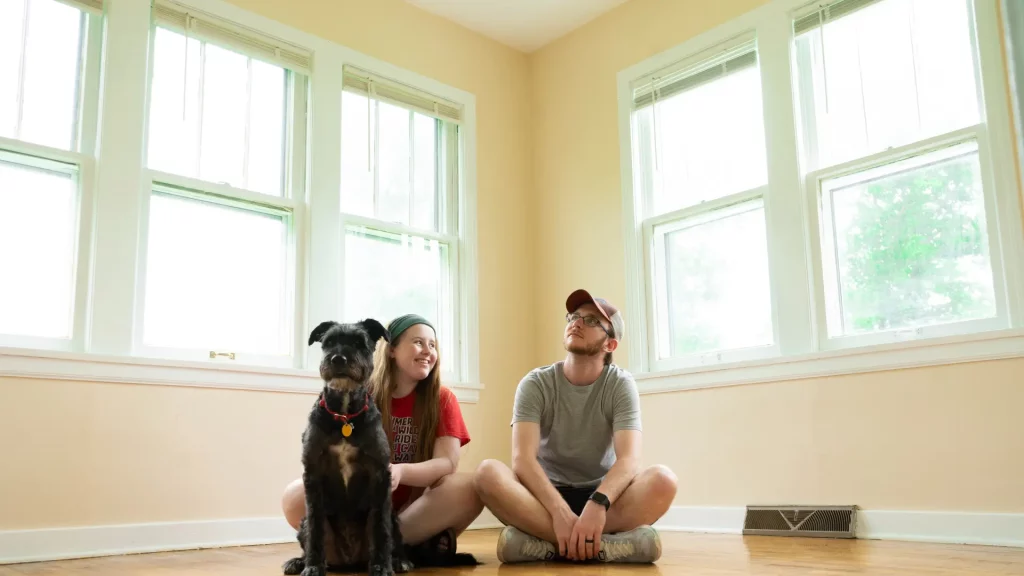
x=172, y=186
x=817, y=210
x=293, y=116
x=450, y=291
x=73, y=170
x=655, y=302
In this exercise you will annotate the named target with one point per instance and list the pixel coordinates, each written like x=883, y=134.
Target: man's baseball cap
x=606, y=308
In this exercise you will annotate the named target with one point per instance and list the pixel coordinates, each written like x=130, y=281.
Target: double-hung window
x=897, y=155
x=400, y=187
x=701, y=180
x=226, y=156
x=49, y=68
x=885, y=208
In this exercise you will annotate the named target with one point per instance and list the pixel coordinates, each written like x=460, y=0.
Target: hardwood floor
x=702, y=554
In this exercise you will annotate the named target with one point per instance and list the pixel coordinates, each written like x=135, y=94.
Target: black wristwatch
x=600, y=499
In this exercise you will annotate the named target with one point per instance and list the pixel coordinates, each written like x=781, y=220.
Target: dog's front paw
x=401, y=565
x=294, y=566
x=313, y=571
x=381, y=570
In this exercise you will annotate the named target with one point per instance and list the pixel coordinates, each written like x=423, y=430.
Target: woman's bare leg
x=451, y=503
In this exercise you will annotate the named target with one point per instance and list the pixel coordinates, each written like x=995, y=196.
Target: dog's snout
x=338, y=360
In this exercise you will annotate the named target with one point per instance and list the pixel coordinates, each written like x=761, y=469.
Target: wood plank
x=713, y=555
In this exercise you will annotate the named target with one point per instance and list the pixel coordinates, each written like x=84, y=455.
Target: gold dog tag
x=346, y=430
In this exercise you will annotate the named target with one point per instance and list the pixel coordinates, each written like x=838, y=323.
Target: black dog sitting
x=345, y=458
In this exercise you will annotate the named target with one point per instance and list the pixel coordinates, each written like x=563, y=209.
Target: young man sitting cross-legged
x=576, y=490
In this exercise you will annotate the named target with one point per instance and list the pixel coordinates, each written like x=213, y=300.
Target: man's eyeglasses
x=589, y=320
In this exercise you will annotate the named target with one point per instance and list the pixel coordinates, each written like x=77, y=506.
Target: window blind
x=689, y=78
x=230, y=35
x=89, y=6
x=362, y=82
x=819, y=13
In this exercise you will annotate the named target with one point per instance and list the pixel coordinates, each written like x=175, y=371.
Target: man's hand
x=396, y=475
x=565, y=523
x=586, y=535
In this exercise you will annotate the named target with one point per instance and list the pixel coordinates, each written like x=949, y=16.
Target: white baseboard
x=990, y=529
x=89, y=541
x=705, y=519
x=947, y=527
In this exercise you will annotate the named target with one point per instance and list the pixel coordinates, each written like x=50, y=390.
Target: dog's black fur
x=347, y=479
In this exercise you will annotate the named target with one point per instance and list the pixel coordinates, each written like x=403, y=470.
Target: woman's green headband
x=403, y=323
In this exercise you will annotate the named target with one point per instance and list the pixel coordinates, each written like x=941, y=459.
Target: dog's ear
x=317, y=335
x=376, y=330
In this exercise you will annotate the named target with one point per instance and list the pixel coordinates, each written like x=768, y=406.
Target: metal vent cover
x=801, y=521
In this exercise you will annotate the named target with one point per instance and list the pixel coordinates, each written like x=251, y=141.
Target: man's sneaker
x=640, y=545
x=514, y=545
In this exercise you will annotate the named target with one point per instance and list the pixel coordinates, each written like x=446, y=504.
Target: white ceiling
x=525, y=25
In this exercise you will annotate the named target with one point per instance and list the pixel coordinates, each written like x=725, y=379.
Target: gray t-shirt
x=577, y=422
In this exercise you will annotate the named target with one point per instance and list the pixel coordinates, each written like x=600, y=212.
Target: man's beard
x=583, y=350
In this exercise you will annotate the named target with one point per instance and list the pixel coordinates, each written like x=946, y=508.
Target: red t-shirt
x=403, y=450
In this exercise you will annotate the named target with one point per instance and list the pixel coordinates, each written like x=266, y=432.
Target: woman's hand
x=396, y=475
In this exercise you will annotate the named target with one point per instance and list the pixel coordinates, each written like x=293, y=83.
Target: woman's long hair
x=425, y=407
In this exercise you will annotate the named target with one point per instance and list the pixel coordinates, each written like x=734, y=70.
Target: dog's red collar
x=344, y=417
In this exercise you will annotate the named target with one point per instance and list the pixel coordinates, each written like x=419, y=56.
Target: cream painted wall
x=81, y=453
x=943, y=438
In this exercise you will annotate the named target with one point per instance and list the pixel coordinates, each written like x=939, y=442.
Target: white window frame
x=448, y=219
x=78, y=161
x=803, y=348
x=286, y=206
x=112, y=240
x=652, y=256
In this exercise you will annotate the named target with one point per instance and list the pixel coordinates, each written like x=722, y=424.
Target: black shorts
x=576, y=498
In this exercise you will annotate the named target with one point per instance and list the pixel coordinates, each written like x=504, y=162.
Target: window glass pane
x=394, y=274
x=265, y=163
x=910, y=244
x=887, y=75
x=225, y=94
x=217, y=115
x=425, y=153
x=393, y=199
x=712, y=280
x=708, y=141
x=216, y=278
x=12, y=19
x=356, y=171
x=37, y=251
x=406, y=169
x=39, y=68
x=174, y=104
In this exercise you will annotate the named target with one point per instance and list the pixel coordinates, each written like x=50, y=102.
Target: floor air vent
x=801, y=521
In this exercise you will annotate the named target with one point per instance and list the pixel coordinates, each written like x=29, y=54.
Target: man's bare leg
x=451, y=503
x=511, y=502
x=644, y=501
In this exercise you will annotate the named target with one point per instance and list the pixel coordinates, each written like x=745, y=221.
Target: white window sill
x=54, y=365
x=996, y=345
